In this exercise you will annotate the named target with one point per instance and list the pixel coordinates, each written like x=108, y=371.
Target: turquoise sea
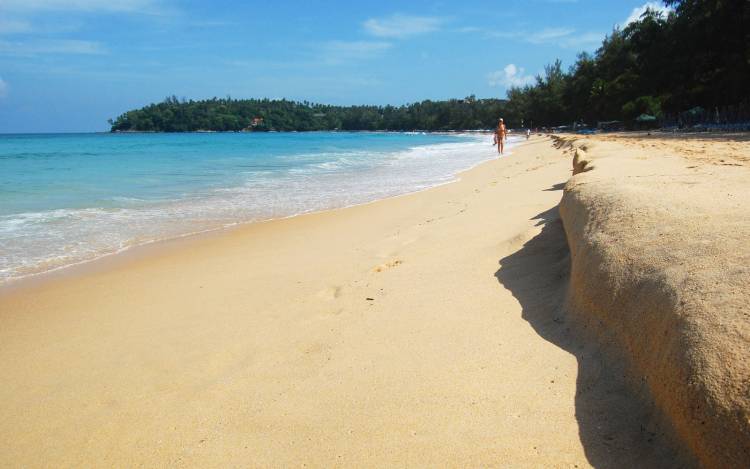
x=69, y=198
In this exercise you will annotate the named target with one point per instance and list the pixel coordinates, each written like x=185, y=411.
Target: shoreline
x=412, y=331
x=36, y=277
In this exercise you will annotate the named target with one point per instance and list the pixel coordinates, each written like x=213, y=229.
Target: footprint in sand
x=388, y=265
x=313, y=348
x=330, y=293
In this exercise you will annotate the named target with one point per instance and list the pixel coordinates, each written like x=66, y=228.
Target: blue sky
x=69, y=65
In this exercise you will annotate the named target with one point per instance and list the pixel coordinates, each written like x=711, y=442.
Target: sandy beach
x=425, y=330
x=271, y=235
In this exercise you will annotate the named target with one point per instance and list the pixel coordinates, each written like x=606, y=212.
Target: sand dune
x=422, y=331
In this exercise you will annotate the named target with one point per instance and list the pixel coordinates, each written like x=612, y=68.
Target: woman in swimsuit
x=500, y=135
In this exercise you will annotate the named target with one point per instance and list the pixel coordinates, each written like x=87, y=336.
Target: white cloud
x=568, y=38
x=400, y=26
x=549, y=35
x=135, y=6
x=44, y=18
x=58, y=46
x=635, y=15
x=347, y=51
x=509, y=76
x=3, y=88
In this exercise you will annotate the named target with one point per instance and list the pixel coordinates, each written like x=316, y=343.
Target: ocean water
x=70, y=198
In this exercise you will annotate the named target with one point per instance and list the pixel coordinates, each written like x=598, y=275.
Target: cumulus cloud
x=3, y=88
x=400, y=26
x=509, y=76
x=635, y=15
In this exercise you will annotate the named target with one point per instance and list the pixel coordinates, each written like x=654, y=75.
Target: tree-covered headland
x=173, y=115
x=692, y=61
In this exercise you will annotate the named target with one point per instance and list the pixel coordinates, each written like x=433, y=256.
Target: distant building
x=256, y=121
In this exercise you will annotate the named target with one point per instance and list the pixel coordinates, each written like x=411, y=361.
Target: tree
x=699, y=55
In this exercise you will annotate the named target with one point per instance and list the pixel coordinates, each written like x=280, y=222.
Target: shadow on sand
x=616, y=428
x=557, y=187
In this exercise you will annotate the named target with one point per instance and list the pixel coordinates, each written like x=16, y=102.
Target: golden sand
x=418, y=331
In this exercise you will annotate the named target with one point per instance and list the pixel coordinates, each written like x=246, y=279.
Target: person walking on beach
x=500, y=134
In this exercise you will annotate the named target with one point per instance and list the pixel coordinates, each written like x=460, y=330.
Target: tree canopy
x=173, y=115
x=697, y=55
